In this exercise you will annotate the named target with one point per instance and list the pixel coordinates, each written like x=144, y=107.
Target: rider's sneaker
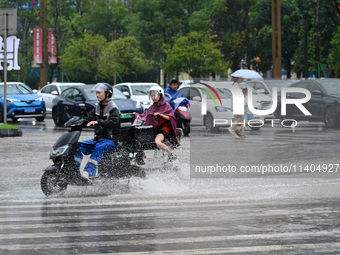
x=238, y=132
x=85, y=175
x=172, y=157
x=179, y=132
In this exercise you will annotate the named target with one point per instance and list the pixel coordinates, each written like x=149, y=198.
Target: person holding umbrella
x=240, y=75
x=241, y=118
x=247, y=74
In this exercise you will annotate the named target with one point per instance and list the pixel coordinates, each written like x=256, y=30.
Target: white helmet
x=156, y=89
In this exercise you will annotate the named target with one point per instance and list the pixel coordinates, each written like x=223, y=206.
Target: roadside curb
x=10, y=132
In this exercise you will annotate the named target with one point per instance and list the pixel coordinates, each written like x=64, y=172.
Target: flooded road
x=177, y=212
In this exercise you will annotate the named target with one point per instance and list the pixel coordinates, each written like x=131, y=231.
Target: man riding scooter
x=180, y=105
x=106, y=122
x=172, y=90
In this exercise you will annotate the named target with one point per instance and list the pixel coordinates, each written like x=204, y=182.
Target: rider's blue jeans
x=97, y=151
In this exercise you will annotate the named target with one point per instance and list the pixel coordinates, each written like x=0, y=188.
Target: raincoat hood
x=173, y=93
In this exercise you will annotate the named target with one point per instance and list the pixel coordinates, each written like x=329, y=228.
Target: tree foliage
x=122, y=57
x=195, y=54
x=81, y=58
x=335, y=53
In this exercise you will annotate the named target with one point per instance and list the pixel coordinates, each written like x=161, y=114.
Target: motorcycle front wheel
x=50, y=185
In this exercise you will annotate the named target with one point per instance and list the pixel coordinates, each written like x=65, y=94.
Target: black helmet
x=173, y=81
x=103, y=87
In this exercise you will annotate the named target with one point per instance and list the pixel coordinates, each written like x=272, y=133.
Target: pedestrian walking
x=239, y=133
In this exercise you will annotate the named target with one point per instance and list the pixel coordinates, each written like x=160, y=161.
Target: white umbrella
x=246, y=74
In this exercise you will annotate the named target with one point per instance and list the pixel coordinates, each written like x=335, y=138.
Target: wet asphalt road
x=179, y=212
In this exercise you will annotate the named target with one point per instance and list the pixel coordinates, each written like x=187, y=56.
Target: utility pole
x=43, y=25
x=8, y=25
x=276, y=39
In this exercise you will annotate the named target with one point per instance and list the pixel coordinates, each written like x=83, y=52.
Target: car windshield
x=331, y=86
x=90, y=94
x=62, y=88
x=277, y=84
x=139, y=90
x=15, y=89
x=222, y=92
x=117, y=94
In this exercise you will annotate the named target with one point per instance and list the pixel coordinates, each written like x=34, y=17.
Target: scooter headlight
x=59, y=151
x=182, y=108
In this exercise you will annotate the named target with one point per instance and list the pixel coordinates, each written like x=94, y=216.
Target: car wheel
x=277, y=112
x=40, y=118
x=331, y=119
x=57, y=117
x=209, y=123
x=1, y=114
x=277, y=115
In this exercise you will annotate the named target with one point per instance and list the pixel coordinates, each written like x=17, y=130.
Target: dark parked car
x=75, y=99
x=21, y=102
x=266, y=86
x=324, y=104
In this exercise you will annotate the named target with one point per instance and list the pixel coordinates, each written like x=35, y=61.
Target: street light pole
x=43, y=25
x=276, y=39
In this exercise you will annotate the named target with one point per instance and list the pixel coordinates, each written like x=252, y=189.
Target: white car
x=217, y=115
x=262, y=95
x=138, y=91
x=54, y=89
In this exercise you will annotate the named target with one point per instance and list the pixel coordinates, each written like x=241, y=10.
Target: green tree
x=318, y=20
x=228, y=20
x=195, y=54
x=65, y=18
x=104, y=17
x=122, y=57
x=27, y=18
x=157, y=22
x=335, y=53
x=260, y=24
x=81, y=58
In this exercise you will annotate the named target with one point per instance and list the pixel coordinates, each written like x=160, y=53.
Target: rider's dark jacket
x=108, y=116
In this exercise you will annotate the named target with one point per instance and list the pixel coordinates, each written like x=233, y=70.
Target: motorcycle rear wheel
x=186, y=128
x=49, y=184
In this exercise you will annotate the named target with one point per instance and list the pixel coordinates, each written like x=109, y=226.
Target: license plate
x=126, y=116
x=29, y=110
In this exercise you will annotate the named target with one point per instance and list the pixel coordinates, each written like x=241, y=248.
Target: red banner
x=37, y=45
x=52, y=47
